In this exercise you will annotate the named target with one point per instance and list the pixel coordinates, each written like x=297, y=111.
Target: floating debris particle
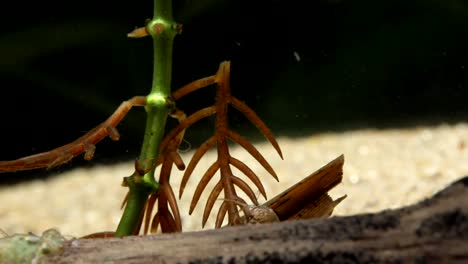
x=296, y=55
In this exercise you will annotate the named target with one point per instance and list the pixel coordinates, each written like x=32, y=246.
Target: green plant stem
x=162, y=29
x=138, y=193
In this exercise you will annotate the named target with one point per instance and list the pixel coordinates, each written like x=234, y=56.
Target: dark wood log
x=432, y=231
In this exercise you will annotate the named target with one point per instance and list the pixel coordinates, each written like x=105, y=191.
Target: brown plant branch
x=85, y=144
x=210, y=201
x=252, y=116
x=190, y=120
x=202, y=184
x=193, y=86
x=252, y=150
x=249, y=173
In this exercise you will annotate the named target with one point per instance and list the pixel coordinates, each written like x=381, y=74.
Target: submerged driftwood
x=432, y=231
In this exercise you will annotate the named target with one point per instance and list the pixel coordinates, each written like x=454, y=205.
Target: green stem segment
x=162, y=29
x=136, y=201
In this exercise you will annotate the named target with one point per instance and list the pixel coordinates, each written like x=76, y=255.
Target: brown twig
x=85, y=144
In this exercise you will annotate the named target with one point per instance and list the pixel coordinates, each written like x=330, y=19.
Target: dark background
x=66, y=66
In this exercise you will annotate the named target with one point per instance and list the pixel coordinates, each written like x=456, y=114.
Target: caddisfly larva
x=256, y=214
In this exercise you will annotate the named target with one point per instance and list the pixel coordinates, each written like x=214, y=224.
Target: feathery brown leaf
x=222, y=134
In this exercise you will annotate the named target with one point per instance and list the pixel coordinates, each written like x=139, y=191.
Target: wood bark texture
x=432, y=231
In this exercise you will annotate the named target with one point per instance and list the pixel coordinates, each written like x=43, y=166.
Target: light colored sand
x=383, y=169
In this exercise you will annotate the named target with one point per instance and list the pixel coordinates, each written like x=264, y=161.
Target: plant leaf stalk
x=162, y=29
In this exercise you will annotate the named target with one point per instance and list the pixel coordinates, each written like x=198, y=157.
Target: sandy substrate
x=383, y=169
